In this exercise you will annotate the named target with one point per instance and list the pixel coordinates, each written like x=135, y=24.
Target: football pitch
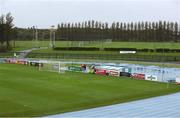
x=25, y=91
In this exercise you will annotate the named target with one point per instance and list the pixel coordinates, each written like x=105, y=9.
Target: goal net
x=51, y=66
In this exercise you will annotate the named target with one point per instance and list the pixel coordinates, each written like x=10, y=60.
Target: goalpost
x=52, y=66
x=63, y=66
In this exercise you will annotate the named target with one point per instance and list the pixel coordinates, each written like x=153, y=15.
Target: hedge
x=77, y=48
x=160, y=50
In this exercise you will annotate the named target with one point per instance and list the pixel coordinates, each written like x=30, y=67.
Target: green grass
x=102, y=52
x=141, y=56
x=25, y=91
x=105, y=56
x=139, y=45
x=74, y=52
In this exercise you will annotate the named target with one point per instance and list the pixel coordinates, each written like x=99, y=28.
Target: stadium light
x=36, y=36
x=52, y=37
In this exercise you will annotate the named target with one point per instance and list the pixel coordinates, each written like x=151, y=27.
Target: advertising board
x=75, y=68
x=178, y=79
x=101, y=71
x=138, y=76
x=114, y=73
x=125, y=74
x=151, y=78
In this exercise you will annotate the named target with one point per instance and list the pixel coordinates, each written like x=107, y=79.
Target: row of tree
x=117, y=31
x=120, y=31
x=94, y=30
x=30, y=34
x=7, y=31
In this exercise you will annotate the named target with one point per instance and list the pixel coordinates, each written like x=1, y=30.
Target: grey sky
x=45, y=13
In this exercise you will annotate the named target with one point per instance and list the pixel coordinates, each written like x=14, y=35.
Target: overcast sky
x=45, y=13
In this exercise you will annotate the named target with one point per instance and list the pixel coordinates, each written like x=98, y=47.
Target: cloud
x=47, y=12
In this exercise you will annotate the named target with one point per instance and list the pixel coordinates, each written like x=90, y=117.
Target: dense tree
x=117, y=31
x=7, y=31
x=2, y=30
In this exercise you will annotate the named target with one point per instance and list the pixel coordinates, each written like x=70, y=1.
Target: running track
x=163, y=106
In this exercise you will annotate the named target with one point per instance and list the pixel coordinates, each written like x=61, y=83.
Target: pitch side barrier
x=151, y=73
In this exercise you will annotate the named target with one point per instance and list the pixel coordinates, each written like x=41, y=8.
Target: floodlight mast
x=36, y=36
x=52, y=37
x=54, y=33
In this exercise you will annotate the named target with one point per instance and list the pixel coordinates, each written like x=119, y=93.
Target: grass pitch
x=25, y=91
x=139, y=45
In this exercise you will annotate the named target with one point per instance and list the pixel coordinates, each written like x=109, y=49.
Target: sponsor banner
x=138, y=76
x=114, y=73
x=75, y=68
x=125, y=74
x=101, y=71
x=36, y=64
x=127, y=70
x=23, y=62
x=151, y=78
x=178, y=79
x=11, y=61
x=127, y=52
x=17, y=61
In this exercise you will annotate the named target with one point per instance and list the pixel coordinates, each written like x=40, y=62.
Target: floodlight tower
x=52, y=37
x=33, y=34
x=36, y=36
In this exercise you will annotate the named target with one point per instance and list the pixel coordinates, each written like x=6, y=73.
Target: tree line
x=94, y=31
x=116, y=31
x=30, y=33
x=7, y=31
x=120, y=31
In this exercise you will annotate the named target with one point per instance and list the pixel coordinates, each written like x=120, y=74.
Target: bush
x=163, y=50
x=175, y=50
x=145, y=50
x=120, y=49
x=160, y=50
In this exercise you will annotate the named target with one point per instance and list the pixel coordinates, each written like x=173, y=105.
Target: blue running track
x=163, y=106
